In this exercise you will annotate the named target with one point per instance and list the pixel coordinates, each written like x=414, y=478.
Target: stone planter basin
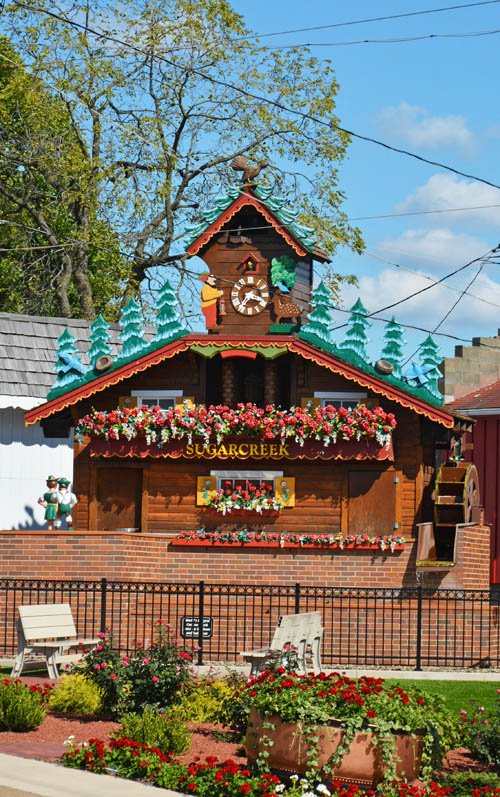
x=362, y=765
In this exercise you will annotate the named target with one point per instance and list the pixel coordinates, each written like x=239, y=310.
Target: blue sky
x=438, y=98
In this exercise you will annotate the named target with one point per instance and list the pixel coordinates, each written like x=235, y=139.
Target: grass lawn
x=458, y=694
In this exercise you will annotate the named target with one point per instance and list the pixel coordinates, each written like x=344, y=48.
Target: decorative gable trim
x=274, y=343
x=247, y=200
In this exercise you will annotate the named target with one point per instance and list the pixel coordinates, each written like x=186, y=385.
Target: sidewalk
x=27, y=778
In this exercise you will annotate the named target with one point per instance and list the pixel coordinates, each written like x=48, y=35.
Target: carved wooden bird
x=250, y=173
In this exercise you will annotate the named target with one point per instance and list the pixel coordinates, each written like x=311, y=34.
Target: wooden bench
x=303, y=632
x=47, y=628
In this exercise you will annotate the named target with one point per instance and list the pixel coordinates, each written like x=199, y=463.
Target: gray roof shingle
x=28, y=347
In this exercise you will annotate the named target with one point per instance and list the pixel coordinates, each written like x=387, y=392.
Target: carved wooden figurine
x=49, y=501
x=284, y=308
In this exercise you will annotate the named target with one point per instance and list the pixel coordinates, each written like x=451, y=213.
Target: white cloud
x=413, y=124
x=443, y=191
x=472, y=317
x=439, y=249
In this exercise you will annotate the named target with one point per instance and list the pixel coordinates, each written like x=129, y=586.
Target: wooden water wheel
x=456, y=497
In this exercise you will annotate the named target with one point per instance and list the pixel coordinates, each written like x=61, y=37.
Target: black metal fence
x=411, y=627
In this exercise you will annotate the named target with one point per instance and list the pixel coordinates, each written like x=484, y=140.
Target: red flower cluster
x=218, y=422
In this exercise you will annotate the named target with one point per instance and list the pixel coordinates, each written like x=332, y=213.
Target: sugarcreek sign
x=366, y=448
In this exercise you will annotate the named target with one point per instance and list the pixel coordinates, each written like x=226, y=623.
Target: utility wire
x=345, y=24
x=251, y=95
x=398, y=40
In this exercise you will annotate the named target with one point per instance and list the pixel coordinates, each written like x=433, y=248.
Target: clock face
x=250, y=295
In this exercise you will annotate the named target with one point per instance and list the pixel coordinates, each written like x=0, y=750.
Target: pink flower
x=97, y=666
x=113, y=677
x=98, y=647
x=101, y=635
x=103, y=665
x=146, y=661
x=155, y=678
x=463, y=711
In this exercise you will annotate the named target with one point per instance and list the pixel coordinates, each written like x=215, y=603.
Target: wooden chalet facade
x=366, y=494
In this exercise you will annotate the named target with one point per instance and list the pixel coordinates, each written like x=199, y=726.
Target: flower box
x=361, y=765
x=237, y=544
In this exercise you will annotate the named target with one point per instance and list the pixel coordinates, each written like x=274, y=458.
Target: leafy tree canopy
x=42, y=173
x=138, y=137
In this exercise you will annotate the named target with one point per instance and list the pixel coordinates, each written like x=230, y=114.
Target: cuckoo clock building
x=261, y=450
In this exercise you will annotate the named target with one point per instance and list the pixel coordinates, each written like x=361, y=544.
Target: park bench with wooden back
x=302, y=633
x=48, y=629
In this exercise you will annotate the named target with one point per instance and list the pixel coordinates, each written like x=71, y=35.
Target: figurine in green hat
x=66, y=500
x=49, y=501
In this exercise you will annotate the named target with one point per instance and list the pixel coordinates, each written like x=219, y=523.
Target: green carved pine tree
x=68, y=365
x=131, y=323
x=320, y=316
x=356, y=337
x=167, y=319
x=283, y=270
x=99, y=340
x=393, y=349
x=428, y=353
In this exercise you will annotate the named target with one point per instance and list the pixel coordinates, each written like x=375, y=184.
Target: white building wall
x=26, y=459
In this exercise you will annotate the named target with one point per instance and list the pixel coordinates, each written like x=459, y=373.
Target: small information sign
x=190, y=627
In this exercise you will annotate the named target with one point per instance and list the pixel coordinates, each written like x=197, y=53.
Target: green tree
x=131, y=337
x=68, y=364
x=159, y=113
x=356, y=337
x=393, y=348
x=42, y=171
x=99, y=340
x=283, y=270
x=320, y=316
x=430, y=359
x=167, y=319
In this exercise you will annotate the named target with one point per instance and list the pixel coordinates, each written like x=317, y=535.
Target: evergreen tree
x=68, y=364
x=430, y=358
x=99, y=340
x=319, y=318
x=131, y=323
x=356, y=337
x=393, y=349
x=167, y=319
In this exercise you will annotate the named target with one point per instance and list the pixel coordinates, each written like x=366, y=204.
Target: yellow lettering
x=242, y=452
x=263, y=450
x=211, y=450
x=189, y=449
x=199, y=450
x=222, y=452
x=283, y=450
x=273, y=450
x=254, y=450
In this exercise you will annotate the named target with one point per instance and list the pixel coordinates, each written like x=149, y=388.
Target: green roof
x=277, y=205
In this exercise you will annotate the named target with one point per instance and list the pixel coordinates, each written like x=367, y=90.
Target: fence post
x=104, y=584
x=297, y=598
x=200, y=622
x=419, y=629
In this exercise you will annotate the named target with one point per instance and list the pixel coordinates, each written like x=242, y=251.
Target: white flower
x=322, y=789
x=280, y=787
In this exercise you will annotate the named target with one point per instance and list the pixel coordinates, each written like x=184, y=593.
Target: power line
x=347, y=24
x=394, y=40
x=420, y=213
x=259, y=98
x=427, y=287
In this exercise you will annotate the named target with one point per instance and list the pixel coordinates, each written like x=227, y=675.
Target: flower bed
x=220, y=422
x=263, y=539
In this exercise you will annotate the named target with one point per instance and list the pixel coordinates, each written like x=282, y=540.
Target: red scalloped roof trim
x=234, y=207
x=323, y=359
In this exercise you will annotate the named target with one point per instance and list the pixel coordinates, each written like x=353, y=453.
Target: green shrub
x=150, y=676
x=463, y=784
x=155, y=730
x=203, y=700
x=77, y=694
x=21, y=708
x=482, y=735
